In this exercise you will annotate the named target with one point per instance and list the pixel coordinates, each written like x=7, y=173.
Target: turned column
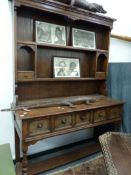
x=24, y=160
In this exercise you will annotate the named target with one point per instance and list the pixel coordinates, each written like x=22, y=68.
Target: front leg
x=17, y=146
x=25, y=160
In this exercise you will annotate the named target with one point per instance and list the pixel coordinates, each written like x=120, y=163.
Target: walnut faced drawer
x=115, y=112
x=63, y=122
x=39, y=126
x=83, y=118
x=99, y=115
x=21, y=75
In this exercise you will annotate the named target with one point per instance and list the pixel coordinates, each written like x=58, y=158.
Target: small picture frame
x=83, y=38
x=66, y=67
x=49, y=33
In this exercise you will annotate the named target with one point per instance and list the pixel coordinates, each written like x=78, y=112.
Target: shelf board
x=56, y=161
x=26, y=42
x=60, y=47
x=59, y=79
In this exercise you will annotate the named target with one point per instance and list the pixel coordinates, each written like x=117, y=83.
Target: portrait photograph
x=66, y=67
x=49, y=33
x=83, y=38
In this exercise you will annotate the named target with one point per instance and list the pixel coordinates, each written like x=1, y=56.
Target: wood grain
x=63, y=159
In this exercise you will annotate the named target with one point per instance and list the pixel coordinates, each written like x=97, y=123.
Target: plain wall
x=119, y=52
x=6, y=73
x=121, y=11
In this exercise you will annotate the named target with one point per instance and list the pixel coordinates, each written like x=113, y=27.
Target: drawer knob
x=39, y=125
x=82, y=117
x=115, y=112
x=25, y=76
x=63, y=121
x=101, y=115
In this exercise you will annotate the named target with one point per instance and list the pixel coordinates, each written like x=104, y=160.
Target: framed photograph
x=83, y=38
x=66, y=67
x=50, y=33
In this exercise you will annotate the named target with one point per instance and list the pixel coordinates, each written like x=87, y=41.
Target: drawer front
x=101, y=75
x=63, y=122
x=99, y=115
x=115, y=112
x=83, y=118
x=25, y=75
x=39, y=126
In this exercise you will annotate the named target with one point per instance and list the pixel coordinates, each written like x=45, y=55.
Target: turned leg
x=17, y=146
x=24, y=160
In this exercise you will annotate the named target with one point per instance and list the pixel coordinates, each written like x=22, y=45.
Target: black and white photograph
x=66, y=67
x=83, y=38
x=49, y=33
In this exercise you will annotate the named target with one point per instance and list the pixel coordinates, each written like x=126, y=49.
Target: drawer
x=25, y=75
x=115, y=112
x=39, y=126
x=101, y=75
x=100, y=115
x=83, y=118
x=63, y=122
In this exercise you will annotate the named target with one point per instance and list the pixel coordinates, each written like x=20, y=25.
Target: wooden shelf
x=65, y=158
x=26, y=42
x=60, y=79
x=60, y=47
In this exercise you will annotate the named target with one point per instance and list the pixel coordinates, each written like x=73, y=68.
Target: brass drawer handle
x=82, y=117
x=25, y=76
x=63, y=121
x=115, y=112
x=101, y=115
x=39, y=125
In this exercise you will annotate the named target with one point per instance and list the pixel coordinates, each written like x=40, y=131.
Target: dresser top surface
x=97, y=101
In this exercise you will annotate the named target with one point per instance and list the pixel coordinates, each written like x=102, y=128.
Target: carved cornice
x=73, y=13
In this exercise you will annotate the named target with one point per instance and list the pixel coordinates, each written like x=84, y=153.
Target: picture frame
x=83, y=38
x=49, y=33
x=66, y=67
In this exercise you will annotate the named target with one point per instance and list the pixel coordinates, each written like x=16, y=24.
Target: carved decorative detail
x=24, y=160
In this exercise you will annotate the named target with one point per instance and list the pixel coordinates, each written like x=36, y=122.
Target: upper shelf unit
x=57, y=13
x=48, y=65
x=36, y=63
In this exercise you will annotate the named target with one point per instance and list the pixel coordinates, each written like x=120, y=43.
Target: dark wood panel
x=102, y=62
x=28, y=18
x=25, y=29
x=59, y=79
x=26, y=59
x=35, y=90
x=63, y=159
x=45, y=57
x=102, y=39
